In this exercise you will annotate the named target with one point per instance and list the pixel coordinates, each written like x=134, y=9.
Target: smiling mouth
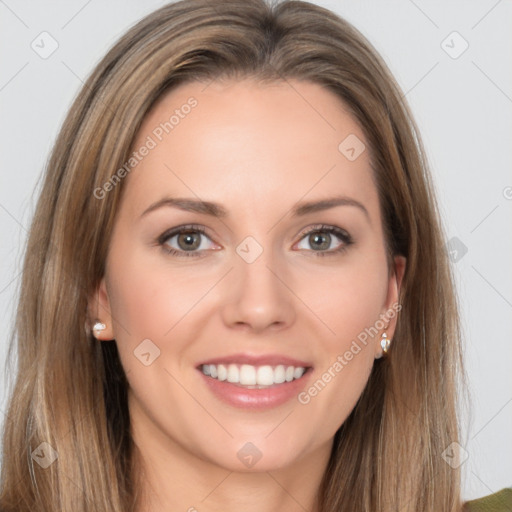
x=254, y=377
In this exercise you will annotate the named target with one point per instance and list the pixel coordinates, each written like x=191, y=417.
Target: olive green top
x=498, y=502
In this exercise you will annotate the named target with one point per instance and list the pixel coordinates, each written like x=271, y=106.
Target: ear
x=390, y=314
x=98, y=310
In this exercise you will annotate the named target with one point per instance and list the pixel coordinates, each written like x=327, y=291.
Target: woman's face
x=248, y=237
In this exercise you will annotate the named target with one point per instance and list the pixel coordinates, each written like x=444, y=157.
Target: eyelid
x=338, y=232
x=180, y=229
x=324, y=227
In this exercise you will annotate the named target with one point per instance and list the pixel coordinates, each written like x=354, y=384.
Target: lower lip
x=256, y=399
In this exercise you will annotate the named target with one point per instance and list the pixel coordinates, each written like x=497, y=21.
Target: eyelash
x=193, y=228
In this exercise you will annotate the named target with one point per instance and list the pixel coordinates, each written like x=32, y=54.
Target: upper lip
x=257, y=360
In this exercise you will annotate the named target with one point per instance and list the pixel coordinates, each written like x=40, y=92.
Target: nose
x=257, y=296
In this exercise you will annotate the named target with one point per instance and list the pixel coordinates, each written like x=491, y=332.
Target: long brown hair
x=70, y=390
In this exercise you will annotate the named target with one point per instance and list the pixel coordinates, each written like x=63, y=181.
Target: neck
x=172, y=478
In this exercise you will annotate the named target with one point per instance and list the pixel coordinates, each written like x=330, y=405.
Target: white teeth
x=298, y=373
x=233, y=373
x=249, y=375
x=265, y=376
x=222, y=372
x=279, y=374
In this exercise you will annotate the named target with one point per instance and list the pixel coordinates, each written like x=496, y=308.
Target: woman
x=235, y=293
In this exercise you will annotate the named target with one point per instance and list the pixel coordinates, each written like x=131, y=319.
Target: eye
x=186, y=241
x=325, y=240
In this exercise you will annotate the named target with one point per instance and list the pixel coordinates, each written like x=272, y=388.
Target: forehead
x=250, y=146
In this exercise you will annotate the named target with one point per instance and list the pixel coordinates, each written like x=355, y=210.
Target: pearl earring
x=384, y=343
x=98, y=327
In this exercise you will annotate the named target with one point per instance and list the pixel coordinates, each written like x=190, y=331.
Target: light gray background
x=463, y=107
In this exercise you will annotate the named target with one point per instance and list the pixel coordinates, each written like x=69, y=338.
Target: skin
x=256, y=150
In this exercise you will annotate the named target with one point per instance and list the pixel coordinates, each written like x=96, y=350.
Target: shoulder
x=498, y=502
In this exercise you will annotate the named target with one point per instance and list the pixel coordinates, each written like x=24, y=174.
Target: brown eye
x=189, y=241
x=325, y=240
x=319, y=241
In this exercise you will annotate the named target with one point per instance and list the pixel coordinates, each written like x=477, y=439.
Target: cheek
x=349, y=299
x=148, y=300
x=350, y=307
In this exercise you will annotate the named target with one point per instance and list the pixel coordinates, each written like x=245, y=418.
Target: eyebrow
x=218, y=211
